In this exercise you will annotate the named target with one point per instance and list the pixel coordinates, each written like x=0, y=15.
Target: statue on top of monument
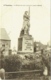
x=26, y=23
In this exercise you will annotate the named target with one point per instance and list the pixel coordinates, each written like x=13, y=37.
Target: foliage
x=2, y=61
x=32, y=62
x=12, y=63
x=46, y=60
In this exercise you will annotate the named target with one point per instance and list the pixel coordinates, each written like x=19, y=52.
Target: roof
x=3, y=34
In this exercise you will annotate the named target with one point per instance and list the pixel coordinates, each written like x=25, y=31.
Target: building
x=4, y=40
x=39, y=46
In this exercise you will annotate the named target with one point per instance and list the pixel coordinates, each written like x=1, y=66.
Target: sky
x=11, y=18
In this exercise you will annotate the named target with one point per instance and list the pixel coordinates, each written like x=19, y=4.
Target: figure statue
x=26, y=22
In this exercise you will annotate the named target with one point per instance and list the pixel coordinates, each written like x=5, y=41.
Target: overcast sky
x=11, y=18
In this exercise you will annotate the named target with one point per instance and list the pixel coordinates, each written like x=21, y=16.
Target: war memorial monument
x=25, y=40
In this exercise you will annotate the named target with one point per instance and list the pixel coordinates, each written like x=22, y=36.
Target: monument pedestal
x=25, y=44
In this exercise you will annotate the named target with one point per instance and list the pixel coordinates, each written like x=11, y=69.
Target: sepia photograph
x=25, y=44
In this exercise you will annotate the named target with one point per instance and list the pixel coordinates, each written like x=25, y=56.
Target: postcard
x=25, y=44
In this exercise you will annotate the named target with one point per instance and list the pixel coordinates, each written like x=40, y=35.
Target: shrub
x=12, y=63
